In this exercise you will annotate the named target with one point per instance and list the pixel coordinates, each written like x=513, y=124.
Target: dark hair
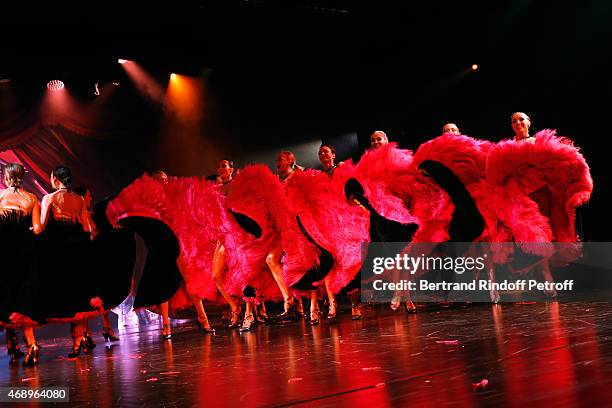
x=14, y=173
x=333, y=150
x=211, y=177
x=81, y=190
x=64, y=175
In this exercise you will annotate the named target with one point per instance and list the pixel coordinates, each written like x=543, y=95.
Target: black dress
x=17, y=243
x=114, y=253
x=65, y=272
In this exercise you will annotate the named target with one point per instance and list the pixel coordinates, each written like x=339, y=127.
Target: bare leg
x=495, y=297
x=410, y=306
x=314, y=308
x=355, y=300
x=331, y=297
x=396, y=301
x=31, y=357
x=219, y=267
x=202, y=318
x=249, y=318
x=166, y=331
x=28, y=333
x=273, y=261
x=547, y=275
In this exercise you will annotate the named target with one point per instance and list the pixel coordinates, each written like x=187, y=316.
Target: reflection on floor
x=553, y=354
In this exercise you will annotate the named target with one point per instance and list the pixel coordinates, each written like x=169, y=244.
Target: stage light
x=122, y=61
x=55, y=85
x=474, y=67
x=116, y=83
x=96, y=89
x=173, y=76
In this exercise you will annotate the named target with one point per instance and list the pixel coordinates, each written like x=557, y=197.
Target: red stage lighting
x=55, y=85
x=122, y=61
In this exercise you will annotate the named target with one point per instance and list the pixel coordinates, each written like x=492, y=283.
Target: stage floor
x=547, y=354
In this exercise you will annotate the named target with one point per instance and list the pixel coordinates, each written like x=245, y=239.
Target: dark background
x=280, y=73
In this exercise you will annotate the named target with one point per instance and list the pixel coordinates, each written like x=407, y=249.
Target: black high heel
x=235, y=320
x=109, y=335
x=89, y=341
x=78, y=344
x=31, y=358
x=205, y=326
x=261, y=315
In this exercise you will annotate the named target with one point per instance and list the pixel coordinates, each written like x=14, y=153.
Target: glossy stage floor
x=546, y=354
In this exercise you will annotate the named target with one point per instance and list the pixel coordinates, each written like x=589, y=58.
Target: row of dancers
x=251, y=236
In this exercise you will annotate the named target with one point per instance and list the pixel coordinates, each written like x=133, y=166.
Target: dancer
x=67, y=230
x=107, y=331
x=537, y=182
x=327, y=157
x=19, y=213
x=194, y=299
x=225, y=171
x=286, y=168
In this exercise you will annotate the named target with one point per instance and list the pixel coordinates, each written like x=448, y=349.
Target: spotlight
x=116, y=83
x=122, y=61
x=97, y=89
x=172, y=76
x=55, y=85
x=474, y=67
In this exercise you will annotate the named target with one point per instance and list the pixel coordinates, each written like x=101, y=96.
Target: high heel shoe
x=235, y=319
x=333, y=310
x=166, y=332
x=248, y=323
x=89, y=341
x=78, y=344
x=261, y=315
x=205, y=326
x=314, y=317
x=109, y=335
x=289, y=306
x=410, y=307
x=31, y=358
